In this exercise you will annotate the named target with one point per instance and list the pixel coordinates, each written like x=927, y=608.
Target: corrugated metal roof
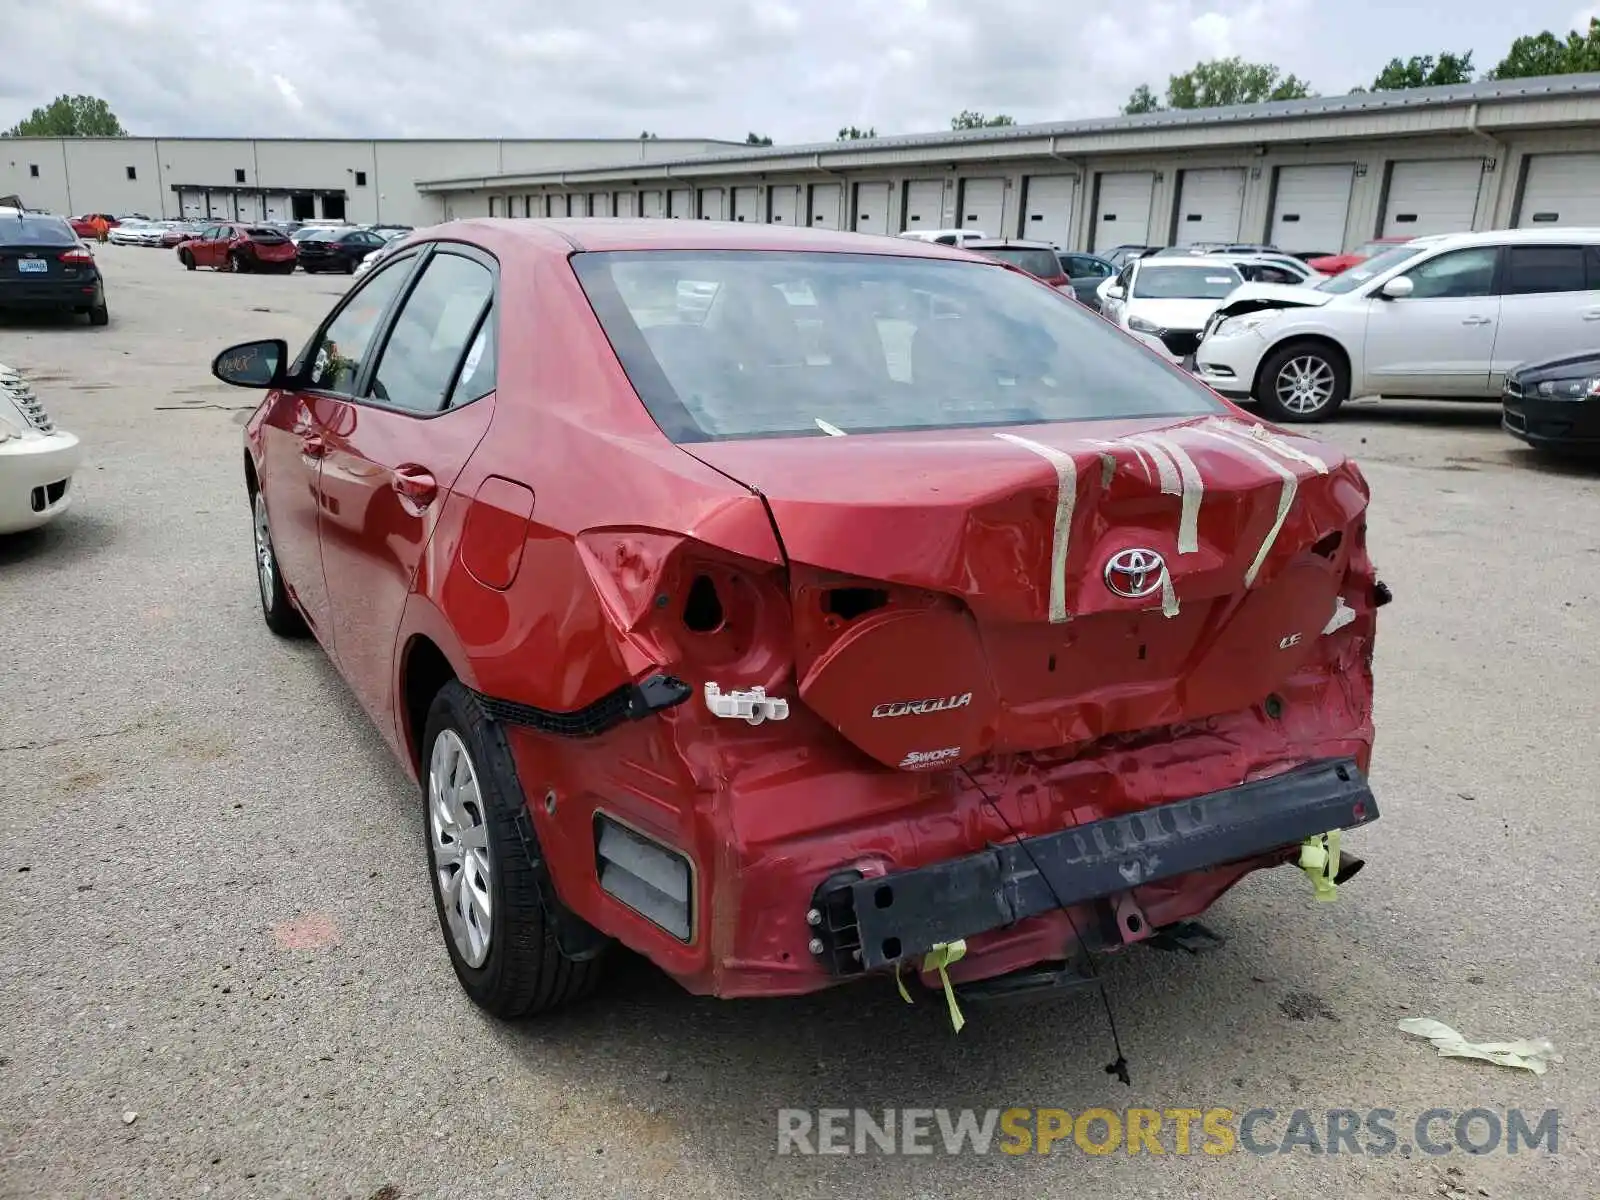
x=1410, y=99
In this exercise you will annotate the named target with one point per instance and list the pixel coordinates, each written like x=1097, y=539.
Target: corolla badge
x=1136, y=573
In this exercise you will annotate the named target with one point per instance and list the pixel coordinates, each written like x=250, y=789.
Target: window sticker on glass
x=1219, y=279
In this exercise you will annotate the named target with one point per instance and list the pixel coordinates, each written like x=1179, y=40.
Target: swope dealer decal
x=929, y=758
x=912, y=708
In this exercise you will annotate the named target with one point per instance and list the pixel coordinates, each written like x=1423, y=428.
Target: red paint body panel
x=554, y=563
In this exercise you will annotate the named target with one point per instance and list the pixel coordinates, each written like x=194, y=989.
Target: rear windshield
x=1042, y=263
x=35, y=231
x=1184, y=283
x=265, y=233
x=1350, y=280
x=740, y=344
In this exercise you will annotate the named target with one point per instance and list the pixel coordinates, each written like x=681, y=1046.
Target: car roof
x=1190, y=260
x=658, y=233
x=1511, y=237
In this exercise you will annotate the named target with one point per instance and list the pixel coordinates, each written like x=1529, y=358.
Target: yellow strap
x=1319, y=859
x=937, y=959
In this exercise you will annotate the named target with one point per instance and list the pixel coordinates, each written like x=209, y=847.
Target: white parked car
x=1165, y=302
x=1442, y=317
x=946, y=237
x=36, y=459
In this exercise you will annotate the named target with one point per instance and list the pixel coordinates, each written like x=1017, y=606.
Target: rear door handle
x=1592, y=314
x=1477, y=321
x=415, y=484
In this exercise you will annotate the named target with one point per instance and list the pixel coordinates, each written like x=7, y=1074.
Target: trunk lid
x=963, y=591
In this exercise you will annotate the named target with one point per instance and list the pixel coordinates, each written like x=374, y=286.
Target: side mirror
x=1115, y=292
x=253, y=364
x=1397, y=288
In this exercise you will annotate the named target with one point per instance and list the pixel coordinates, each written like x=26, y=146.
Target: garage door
x=219, y=206
x=786, y=205
x=1048, y=205
x=654, y=203
x=1210, y=206
x=1432, y=197
x=826, y=201
x=1310, y=206
x=1122, y=213
x=872, y=207
x=747, y=204
x=249, y=206
x=680, y=203
x=627, y=204
x=711, y=204
x=599, y=204
x=1561, y=189
x=555, y=205
x=278, y=207
x=924, y=205
x=578, y=205
x=983, y=203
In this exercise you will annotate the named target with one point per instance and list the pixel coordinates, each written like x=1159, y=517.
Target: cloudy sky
x=795, y=70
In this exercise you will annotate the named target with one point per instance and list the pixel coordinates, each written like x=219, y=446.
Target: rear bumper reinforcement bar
x=908, y=912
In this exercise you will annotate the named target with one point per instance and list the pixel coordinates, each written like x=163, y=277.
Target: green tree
x=1423, y=70
x=851, y=134
x=647, y=136
x=70, y=116
x=756, y=139
x=967, y=119
x=1143, y=100
x=1546, y=54
x=1225, y=81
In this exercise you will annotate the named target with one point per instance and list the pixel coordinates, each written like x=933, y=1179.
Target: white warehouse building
x=252, y=179
x=1323, y=174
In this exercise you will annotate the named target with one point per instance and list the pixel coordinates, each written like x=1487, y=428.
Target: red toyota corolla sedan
x=795, y=606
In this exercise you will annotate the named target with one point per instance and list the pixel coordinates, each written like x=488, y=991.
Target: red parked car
x=1038, y=259
x=1333, y=264
x=785, y=604
x=183, y=231
x=230, y=246
x=83, y=227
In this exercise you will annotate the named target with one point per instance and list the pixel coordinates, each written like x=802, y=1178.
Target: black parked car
x=1087, y=272
x=44, y=267
x=1555, y=404
x=336, y=249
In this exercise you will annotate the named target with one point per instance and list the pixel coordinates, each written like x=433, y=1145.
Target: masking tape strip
x=1319, y=859
x=1262, y=435
x=1286, y=495
x=938, y=959
x=1193, y=492
x=1066, y=500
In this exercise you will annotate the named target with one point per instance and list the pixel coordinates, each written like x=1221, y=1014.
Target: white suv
x=1443, y=317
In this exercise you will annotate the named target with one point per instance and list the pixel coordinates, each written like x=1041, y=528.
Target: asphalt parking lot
x=215, y=914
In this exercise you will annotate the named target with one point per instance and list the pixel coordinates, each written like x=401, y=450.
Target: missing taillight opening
x=1327, y=547
x=702, y=608
x=848, y=603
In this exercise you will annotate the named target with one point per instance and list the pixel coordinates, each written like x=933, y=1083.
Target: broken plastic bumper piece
x=874, y=922
x=754, y=705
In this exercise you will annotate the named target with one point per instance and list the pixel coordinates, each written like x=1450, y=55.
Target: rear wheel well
x=423, y=672
x=1323, y=343
x=252, y=485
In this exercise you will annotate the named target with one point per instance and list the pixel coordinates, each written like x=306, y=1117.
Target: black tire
x=349, y=266
x=277, y=610
x=523, y=972
x=1303, y=365
x=187, y=260
x=237, y=263
x=100, y=314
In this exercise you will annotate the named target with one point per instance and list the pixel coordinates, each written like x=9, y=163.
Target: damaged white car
x=1442, y=317
x=36, y=459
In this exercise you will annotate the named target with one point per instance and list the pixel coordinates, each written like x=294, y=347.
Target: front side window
x=1456, y=275
x=432, y=333
x=1535, y=269
x=1152, y=282
x=344, y=344
x=739, y=344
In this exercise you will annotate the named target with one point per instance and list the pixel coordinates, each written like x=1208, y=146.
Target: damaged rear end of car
x=1047, y=649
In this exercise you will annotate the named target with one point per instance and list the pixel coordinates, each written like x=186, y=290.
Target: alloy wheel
x=457, y=826
x=266, y=563
x=1304, y=384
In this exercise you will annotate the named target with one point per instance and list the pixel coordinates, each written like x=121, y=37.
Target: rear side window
x=35, y=231
x=1536, y=269
x=432, y=334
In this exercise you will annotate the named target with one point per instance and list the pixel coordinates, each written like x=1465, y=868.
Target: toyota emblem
x=1135, y=574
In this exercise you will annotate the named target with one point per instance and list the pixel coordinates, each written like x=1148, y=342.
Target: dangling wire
x=1119, y=1068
